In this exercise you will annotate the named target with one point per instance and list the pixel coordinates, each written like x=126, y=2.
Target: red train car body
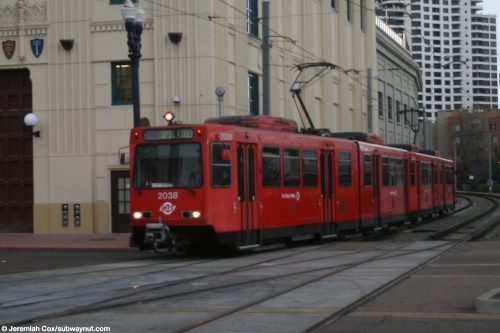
x=247, y=181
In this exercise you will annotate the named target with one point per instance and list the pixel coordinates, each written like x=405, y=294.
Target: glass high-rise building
x=456, y=48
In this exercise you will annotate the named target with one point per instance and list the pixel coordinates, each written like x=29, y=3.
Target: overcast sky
x=491, y=7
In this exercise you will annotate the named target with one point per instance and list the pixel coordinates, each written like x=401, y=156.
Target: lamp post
x=134, y=17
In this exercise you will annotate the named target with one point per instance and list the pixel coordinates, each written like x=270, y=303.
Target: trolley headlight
x=142, y=215
x=191, y=214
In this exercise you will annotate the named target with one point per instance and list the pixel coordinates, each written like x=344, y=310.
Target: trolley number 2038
x=167, y=195
x=226, y=136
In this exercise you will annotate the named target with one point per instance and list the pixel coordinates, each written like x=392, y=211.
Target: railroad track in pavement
x=209, y=294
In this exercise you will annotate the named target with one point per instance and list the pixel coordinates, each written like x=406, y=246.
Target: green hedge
x=483, y=187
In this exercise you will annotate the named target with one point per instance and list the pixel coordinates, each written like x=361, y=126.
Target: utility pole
x=370, y=105
x=266, y=58
x=455, y=161
x=425, y=125
x=490, y=181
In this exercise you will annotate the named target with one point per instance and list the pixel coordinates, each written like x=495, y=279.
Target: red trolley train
x=248, y=181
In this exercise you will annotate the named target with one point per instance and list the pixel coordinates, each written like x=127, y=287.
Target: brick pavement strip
x=27, y=242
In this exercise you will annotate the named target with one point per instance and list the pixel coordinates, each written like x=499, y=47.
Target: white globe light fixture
x=140, y=16
x=31, y=120
x=128, y=11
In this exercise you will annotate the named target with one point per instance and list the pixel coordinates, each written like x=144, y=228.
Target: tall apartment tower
x=455, y=47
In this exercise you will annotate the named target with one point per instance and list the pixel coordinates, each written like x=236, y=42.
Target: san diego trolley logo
x=167, y=208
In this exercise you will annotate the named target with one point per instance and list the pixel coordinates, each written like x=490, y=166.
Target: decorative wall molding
x=23, y=13
x=9, y=33
x=117, y=26
x=33, y=14
x=42, y=31
x=9, y=16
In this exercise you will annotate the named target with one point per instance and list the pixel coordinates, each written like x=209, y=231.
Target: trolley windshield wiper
x=138, y=190
x=186, y=187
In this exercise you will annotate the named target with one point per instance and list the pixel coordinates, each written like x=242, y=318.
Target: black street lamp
x=134, y=18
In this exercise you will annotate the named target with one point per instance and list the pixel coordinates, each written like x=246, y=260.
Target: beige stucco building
x=83, y=125
x=398, y=82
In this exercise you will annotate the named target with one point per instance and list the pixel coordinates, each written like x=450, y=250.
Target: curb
x=59, y=249
x=489, y=302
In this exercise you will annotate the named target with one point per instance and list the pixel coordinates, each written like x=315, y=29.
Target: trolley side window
x=449, y=175
x=399, y=172
x=413, y=176
x=344, y=164
x=271, y=170
x=426, y=173
x=367, y=170
x=385, y=171
x=392, y=172
x=430, y=176
x=221, y=164
x=309, y=168
x=435, y=174
x=291, y=167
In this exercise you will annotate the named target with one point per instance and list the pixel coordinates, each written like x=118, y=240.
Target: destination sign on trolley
x=168, y=134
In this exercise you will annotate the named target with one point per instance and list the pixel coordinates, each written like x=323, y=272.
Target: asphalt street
x=22, y=262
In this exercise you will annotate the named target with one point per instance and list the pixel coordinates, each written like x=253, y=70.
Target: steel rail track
x=161, y=285
x=123, y=301
x=440, y=234
x=484, y=230
x=153, y=286
x=137, y=292
x=5, y=305
x=337, y=269
x=236, y=309
x=281, y=292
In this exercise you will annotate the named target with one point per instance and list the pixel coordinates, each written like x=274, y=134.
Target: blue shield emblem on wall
x=37, y=46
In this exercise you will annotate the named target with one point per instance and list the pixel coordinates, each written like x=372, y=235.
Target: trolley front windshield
x=167, y=165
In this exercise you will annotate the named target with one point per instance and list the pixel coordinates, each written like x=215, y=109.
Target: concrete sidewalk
x=65, y=242
x=456, y=292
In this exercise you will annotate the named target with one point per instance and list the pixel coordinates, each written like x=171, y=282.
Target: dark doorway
x=120, y=201
x=16, y=152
